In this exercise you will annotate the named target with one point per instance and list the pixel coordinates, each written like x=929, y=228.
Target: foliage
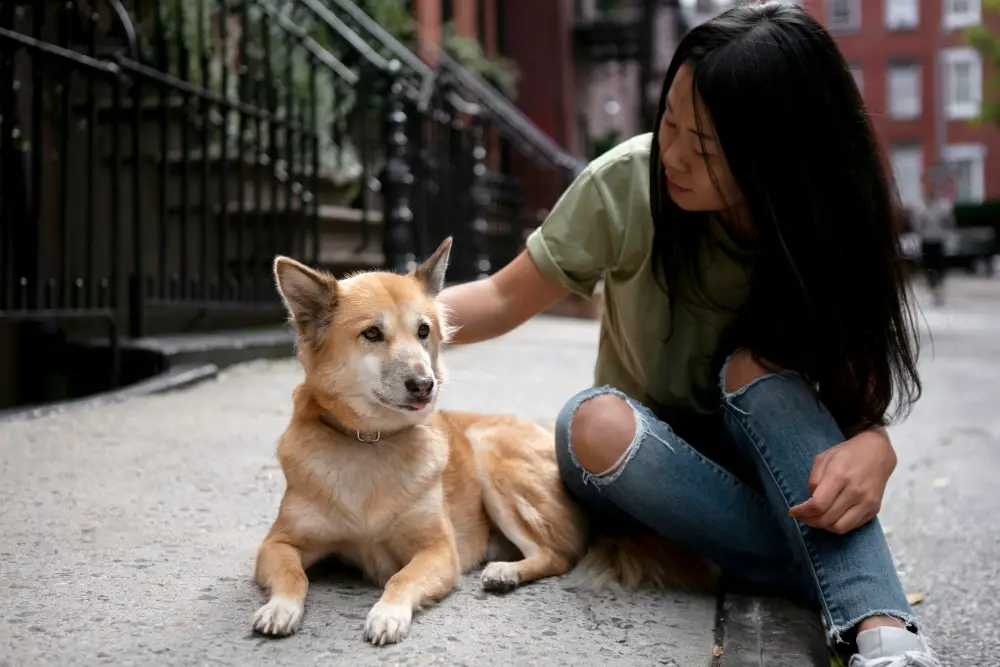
x=501, y=72
x=275, y=68
x=601, y=145
x=987, y=43
x=610, y=7
x=391, y=15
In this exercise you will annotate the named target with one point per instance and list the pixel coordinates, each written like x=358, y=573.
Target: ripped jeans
x=776, y=425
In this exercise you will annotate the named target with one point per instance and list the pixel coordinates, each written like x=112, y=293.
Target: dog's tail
x=633, y=561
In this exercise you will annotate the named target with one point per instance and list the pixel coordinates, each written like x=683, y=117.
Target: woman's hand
x=847, y=483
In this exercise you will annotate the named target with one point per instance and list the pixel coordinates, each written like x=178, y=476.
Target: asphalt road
x=942, y=506
x=127, y=531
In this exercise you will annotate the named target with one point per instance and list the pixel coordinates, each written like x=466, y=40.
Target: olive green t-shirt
x=602, y=227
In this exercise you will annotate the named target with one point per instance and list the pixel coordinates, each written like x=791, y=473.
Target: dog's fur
x=414, y=496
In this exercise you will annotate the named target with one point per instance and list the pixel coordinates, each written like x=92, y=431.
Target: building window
x=968, y=168
x=844, y=14
x=701, y=8
x=902, y=14
x=903, y=80
x=961, y=13
x=908, y=172
x=859, y=79
x=704, y=6
x=963, y=82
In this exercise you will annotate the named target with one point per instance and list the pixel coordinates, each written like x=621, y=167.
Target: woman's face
x=688, y=154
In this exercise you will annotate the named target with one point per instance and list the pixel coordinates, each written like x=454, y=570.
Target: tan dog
x=412, y=496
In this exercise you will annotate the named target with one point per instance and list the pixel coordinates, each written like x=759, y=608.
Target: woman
x=757, y=333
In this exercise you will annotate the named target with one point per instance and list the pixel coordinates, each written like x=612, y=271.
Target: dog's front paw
x=280, y=617
x=501, y=577
x=387, y=623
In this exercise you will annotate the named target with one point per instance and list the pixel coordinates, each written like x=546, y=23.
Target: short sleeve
x=581, y=237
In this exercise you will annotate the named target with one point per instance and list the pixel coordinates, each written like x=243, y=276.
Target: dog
x=411, y=495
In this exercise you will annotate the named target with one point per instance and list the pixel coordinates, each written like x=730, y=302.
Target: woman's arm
x=582, y=237
x=491, y=307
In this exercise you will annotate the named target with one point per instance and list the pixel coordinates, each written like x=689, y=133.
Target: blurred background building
x=155, y=155
x=924, y=84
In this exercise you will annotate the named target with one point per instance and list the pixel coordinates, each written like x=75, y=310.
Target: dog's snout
x=419, y=386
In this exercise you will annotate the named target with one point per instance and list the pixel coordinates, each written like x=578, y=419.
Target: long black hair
x=829, y=296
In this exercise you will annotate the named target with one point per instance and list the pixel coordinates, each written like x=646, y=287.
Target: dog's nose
x=420, y=386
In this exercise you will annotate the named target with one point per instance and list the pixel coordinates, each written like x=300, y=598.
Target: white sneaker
x=892, y=647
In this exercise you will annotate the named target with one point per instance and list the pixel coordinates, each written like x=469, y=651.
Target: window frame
x=976, y=154
x=965, y=110
x=854, y=22
x=910, y=67
x=897, y=24
x=951, y=19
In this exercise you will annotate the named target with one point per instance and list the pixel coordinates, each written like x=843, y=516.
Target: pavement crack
x=588, y=609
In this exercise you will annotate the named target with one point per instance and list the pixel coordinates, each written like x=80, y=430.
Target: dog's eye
x=374, y=334
x=423, y=331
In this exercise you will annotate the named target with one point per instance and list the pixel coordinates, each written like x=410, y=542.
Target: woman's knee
x=595, y=430
x=743, y=368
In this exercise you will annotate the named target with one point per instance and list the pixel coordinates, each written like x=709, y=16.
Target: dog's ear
x=308, y=295
x=431, y=272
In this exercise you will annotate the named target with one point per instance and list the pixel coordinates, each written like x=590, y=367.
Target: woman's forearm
x=475, y=311
x=491, y=307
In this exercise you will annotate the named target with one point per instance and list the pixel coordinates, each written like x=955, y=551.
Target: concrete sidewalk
x=128, y=533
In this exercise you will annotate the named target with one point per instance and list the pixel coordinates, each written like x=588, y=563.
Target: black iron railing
x=60, y=223
x=155, y=155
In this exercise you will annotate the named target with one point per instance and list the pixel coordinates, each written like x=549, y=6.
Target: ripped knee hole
x=603, y=429
x=743, y=368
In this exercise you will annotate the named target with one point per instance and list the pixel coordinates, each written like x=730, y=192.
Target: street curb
x=186, y=358
x=182, y=375
x=222, y=348
x=763, y=631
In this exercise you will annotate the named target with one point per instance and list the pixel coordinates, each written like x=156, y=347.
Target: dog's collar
x=330, y=420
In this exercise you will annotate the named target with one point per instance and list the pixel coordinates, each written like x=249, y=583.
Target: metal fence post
x=397, y=239
x=481, y=200
x=137, y=281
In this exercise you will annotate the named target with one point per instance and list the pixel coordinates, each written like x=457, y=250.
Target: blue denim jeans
x=777, y=425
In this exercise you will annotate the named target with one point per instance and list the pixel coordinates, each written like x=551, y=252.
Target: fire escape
x=630, y=31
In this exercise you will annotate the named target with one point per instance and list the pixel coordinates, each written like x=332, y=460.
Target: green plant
x=284, y=71
x=274, y=65
x=987, y=42
x=611, y=7
x=501, y=72
x=601, y=145
x=391, y=15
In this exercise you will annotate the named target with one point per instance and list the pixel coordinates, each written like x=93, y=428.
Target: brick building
x=923, y=85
